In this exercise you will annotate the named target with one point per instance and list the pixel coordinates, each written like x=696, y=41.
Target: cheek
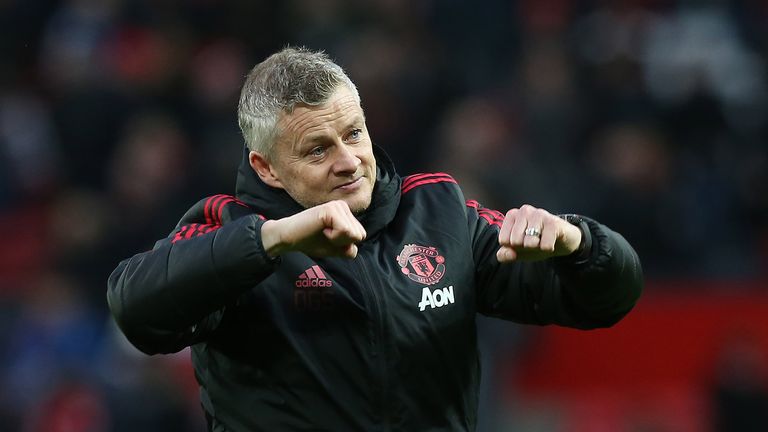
x=367, y=156
x=309, y=177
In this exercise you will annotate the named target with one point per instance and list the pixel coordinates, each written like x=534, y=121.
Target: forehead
x=338, y=112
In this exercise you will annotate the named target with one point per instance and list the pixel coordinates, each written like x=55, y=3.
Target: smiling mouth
x=351, y=185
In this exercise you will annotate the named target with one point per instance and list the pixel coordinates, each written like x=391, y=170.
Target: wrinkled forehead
x=340, y=111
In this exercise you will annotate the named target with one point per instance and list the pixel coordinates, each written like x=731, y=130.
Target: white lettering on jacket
x=437, y=298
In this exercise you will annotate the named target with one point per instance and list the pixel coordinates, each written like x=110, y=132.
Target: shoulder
x=219, y=209
x=437, y=191
x=427, y=181
x=444, y=188
x=209, y=214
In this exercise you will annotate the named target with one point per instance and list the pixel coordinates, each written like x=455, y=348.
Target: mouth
x=351, y=185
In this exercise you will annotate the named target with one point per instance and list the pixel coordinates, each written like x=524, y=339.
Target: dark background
x=116, y=115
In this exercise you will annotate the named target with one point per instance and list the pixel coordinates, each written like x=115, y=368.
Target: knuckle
x=326, y=210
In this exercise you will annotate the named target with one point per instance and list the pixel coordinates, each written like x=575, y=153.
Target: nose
x=347, y=161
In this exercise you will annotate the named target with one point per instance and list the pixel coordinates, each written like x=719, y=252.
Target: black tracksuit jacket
x=382, y=342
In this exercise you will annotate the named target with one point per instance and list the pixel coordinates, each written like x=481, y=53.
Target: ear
x=264, y=169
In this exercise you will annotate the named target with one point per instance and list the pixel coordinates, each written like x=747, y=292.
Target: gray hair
x=276, y=85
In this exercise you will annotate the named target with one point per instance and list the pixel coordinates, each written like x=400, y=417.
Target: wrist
x=583, y=250
x=272, y=239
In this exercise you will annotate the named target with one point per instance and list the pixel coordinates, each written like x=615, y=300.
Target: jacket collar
x=275, y=203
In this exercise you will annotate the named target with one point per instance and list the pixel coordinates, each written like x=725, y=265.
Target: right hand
x=325, y=230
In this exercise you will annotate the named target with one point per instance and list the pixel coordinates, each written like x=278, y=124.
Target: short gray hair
x=276, y=85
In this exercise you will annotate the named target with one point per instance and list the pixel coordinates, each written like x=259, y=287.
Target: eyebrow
x=357, y=119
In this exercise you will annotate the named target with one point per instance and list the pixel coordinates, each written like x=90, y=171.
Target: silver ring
x=533, y=232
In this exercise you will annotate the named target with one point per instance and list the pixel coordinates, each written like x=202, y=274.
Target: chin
x=358, y=205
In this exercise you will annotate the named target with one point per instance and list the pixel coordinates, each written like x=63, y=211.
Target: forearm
x=177, y=285
x=605, y=282
x=593, y=287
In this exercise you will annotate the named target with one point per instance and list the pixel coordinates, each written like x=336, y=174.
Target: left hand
x=518, y=239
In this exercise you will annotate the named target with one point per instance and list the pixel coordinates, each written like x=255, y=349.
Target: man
x=330, y=294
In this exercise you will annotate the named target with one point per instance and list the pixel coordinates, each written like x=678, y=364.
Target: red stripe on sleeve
x=206, y=210
x=194, y=230
x=179, y=235
x=492, y=213
x=209, y=228
x=223, y=204
x=191, y=231
x=493, y=220
x=212, y=210
x=493, y=217
x=215, y=206
x=416, y=177
x=412, y=178
x=412, y=185
x=208, y=204
x=490, y=219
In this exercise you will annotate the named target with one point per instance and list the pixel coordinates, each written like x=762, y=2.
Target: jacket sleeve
x=595, y=287
x=175, y=295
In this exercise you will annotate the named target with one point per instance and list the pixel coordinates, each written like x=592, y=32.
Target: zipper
x=378, y=339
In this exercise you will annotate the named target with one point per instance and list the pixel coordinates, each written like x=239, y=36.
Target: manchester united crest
x=422, y=264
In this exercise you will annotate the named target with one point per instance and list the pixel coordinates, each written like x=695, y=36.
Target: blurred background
x=650, y=116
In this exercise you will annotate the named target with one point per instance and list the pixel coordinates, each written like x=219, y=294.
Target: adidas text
x=437, y=298
x=303, y=283
x=313, y=291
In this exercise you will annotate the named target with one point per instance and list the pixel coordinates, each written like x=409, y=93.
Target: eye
x=317, y=151
x=355, y=135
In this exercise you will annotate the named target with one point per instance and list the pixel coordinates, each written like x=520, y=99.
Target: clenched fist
x=532, y=234
x=325, y=230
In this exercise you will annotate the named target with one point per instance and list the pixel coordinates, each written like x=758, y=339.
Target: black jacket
x=385, y=341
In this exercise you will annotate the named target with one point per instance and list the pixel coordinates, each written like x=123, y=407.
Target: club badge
x=422, y=264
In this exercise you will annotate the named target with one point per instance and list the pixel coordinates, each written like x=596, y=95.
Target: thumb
x=506, y=254
x=351, y=251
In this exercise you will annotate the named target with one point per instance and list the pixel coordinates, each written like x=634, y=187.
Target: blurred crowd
x=116, y=115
